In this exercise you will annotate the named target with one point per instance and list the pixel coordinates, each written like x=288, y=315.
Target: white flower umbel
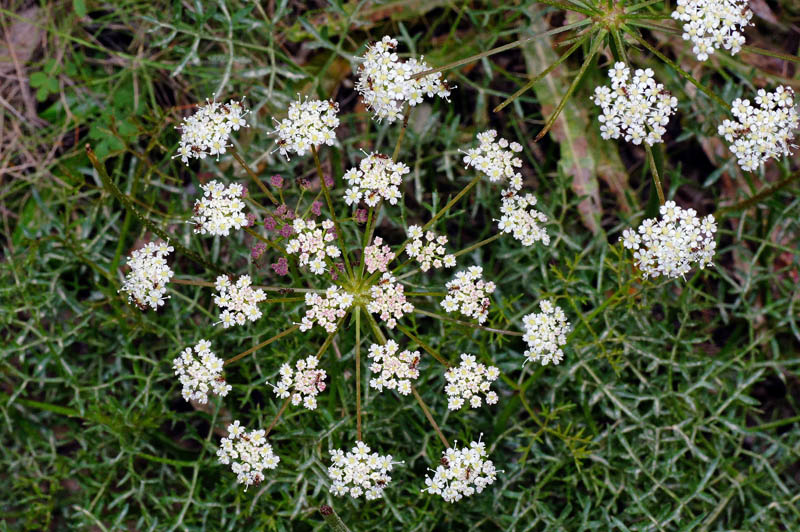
x=461, y=472
x=310, y=123
x=636, y=108
x=385, y=83
x=521, y=220
x=326, y=311
x=468, y=294
x=239, y=300
x=713, y=24
x=468, y=381
x=360, y=472
x=392, y=370
x=311, y=244
x=545, y=333
x=496, y=159
x=146, y=283
x=207, y=131
x=200, y=371
x=377, y=256
x=670, y=245
x=388, y=300
x=428, y=249
x=302, y=384
x=219, y=210
x=248, y=454
x=761, y=133
x=377, y=177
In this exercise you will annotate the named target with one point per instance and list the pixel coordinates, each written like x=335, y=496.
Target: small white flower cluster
x=468, y=381
x=761, y=133
x=206, y=132
x=220, y=209
x=428, y=249
x=377, y=256
x=631, y=108
x=310, y=123
x=496, y=159
x=545, y=333
x=668, y=246
x=311, y=244
x=376, y=177
x=326, y=311
x=249, y=454
x=308, y=382
x=461, y=473
x=394, y=372
x=199, y=372
x=359, y=472
x=240, y=300
x=146, y=283
x=468, y=293
x=522, y=220
x=385, y=83
x=388, y=300
x=713, y=24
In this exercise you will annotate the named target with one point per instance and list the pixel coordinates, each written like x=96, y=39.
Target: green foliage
x=676, y=407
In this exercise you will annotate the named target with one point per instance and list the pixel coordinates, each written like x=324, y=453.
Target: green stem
x=477, y=245
x=429, y=416
x=255, y=178
x=265, y=343
x=117, y=193
x=288, y=290
x=542, y=74
x=679, y=70
x=767, y=192
x=770, y=53
x=466, y=323
x=656, y=179
x=424, y=346
x=328, y=200
x=332, y=519
x=358, y=373
x=590, y=56
x=503, y=48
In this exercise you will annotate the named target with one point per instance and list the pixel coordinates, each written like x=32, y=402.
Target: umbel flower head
x=206, y=132
x=248, y=453
x=496, y=159
x=304, y=384
x=670, y=245
x=468, y=381
x=636, y=110
x=462, y=472
x=387, y=299
x=326, y=311
x=239, y=300
x=312, y=244
x=377, y=177
x=146, y=283
x=359, y=472
x=200, y=371
x=521, y=219
x=377, y=256
x=713, y=24
x=427, y=248
x=468, y=293
x=385, y=83
x=761, y=133
x=220, y=209
x=392, y=370
x=310, y=123
x=545, y=333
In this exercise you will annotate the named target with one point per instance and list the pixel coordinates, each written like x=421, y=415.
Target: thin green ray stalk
x=542, y=74
x=265, y=343
x=255, y=178
x=428, y=415
x=328, y=200
x=767, y=192
x=503, y=48
x=656, y=179
x=428, y=349
x=599, y=38
x=466, y=323
x=358, y=373
x=332, y=519
x=770, y=53
x=477, y=245
x=708, y=92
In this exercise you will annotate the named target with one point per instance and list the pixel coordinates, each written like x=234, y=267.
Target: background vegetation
x=676, y=408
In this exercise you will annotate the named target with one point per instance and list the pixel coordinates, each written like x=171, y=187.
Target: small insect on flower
x=310, y=123
x=360, y=472
x=239, y=300
x=469, y=294
x=462, y=472
x=468, y=381
x=219, y=210
x=376, y=177
x=248, y=454
x=521, y=220
x=146, y=283
x=428, y=249
x=496, y=159
x=200, y=372
x=545, y=334
x=206, y=132
x=302, y=384
x=326, y=311
x=391, y=370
